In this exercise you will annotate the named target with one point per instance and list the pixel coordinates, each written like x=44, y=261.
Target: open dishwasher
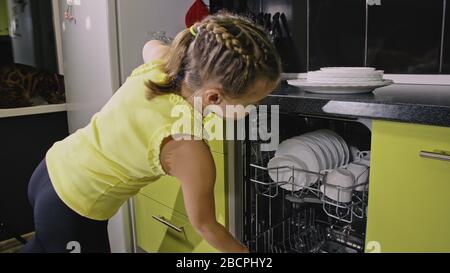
x=274, y=217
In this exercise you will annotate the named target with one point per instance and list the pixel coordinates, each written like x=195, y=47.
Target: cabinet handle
x=165, y=222
x=438, y=155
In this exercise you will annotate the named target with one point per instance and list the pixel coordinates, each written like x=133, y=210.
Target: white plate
x=337, y=146
x=286, y=174
x=343, y=81
x=316, y=148
x=343, y=149
x=339, y=149
x=346, y=148
x=324, y=148
x=352, y=77
x=326, y=142
x=340, y=88
x=348, y=69
x=332, y=148
x=304, y=153
x=346, y=74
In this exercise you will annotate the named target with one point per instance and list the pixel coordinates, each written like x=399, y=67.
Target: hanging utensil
x=275, y=33
x=260, y=19
x=275, y=23
x=267, y=22
x=288, y=51
x=244, y=9
x=285, y=25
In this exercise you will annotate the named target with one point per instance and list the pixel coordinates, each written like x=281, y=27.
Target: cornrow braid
x=227, y=49
x=223, y=36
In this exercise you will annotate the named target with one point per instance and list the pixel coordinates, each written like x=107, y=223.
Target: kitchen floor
x=12, y=245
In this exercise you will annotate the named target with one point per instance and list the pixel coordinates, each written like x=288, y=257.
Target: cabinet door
x=162, y=230
x=218, y=146
x=167, y=191
x=215, y=127
x=409, y=200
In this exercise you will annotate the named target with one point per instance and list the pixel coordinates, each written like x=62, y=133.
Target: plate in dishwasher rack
x=280, y=171
x=339, y=88
x=302, y=152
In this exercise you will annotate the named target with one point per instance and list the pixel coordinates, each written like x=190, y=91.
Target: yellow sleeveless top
x=98, y=168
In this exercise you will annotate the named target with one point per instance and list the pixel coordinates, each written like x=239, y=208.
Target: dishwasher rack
x=342, y=211
x=304, y=233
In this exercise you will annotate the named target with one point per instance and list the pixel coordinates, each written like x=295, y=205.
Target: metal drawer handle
x=165, y=222
x=438, y=155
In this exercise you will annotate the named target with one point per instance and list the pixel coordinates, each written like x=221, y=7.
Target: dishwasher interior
x=303, y=220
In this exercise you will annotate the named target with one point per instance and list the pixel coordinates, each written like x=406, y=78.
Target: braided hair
x=227, y=49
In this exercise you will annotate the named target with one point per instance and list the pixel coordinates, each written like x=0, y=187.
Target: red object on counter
x=196, y=13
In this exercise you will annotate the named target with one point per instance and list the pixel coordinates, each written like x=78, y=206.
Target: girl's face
x=237, y=106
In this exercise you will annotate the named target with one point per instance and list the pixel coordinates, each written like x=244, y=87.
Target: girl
x=84, y=180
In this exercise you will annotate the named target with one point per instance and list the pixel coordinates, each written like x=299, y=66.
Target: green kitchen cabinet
x=162, y=230
x=164, y=199
x=217, y=146
x=4, y=21
x=167, y=190
x=409, y=196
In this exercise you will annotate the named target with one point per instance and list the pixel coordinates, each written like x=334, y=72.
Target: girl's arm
x=154, y=50
x=192, y=163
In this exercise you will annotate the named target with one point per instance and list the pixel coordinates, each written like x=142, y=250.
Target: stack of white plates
x=342, y=80
x=314, y=152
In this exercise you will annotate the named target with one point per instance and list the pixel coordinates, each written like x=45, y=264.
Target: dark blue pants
x=59, y=229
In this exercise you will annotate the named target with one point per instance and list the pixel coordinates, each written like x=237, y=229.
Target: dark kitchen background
x=398, y=36
x=28, y=70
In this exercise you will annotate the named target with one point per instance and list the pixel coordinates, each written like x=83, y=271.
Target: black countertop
x=421, y=104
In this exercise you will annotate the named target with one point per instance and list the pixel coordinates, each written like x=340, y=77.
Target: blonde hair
x=226, y=49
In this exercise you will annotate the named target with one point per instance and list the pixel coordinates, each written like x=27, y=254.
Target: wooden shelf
x=33, y=110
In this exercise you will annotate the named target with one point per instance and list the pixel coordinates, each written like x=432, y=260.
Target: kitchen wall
x=446, y=42
x=22, y=33
x=139, y=19
x=398, y=36
x=32, y=33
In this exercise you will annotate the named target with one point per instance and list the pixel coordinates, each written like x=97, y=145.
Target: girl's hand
x=154, y=50
x=192, y=163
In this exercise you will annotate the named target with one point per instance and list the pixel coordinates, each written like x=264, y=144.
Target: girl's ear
x=213, y=97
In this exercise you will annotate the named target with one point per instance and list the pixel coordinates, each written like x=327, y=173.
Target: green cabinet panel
x=409, y=196
x=162, y=230
x=4, y=21
x=217, y=146
x=164, y=198
x=167, y=190
x=215, y=129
